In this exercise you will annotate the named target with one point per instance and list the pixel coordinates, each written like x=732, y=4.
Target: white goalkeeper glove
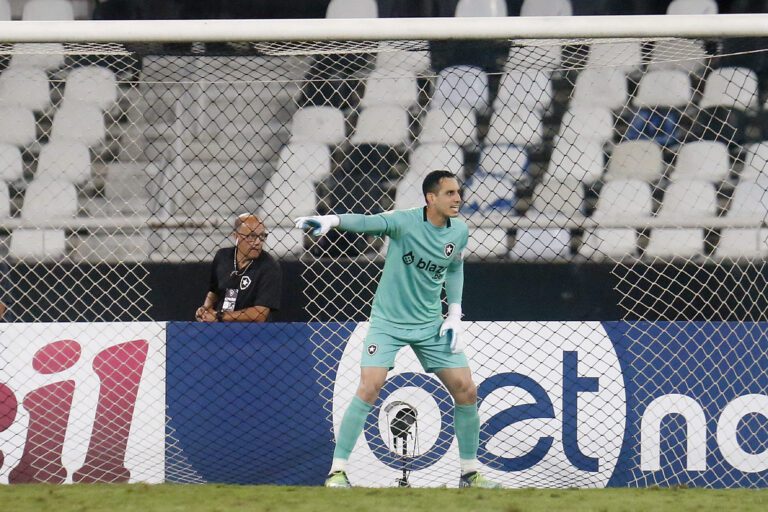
x=319, y=224
x=453, y=328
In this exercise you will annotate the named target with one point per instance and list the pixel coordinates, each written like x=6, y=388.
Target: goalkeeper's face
x=447, y=200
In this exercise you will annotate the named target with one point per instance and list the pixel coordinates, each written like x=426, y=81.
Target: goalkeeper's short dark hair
x=431, y=182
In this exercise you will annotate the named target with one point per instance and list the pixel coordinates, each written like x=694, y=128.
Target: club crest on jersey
x=245, y=282
x=372, y=348
x=448, y=249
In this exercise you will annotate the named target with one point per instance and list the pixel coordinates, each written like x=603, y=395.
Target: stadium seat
x=731, y=88
x=601, y=88
x=749, y=201
x=540, y=56
x=37, y=244
x=587, y=122
x=486, y=192
x=408, y=193
x=755, y=161
x=322, y=124
x=615, y=244
x=689, y=199
x=382, y=124
x=664, y=88
x=285, y=242
x=352, y=9
x=702, y=160
x=429, y=157
x=5, y=10
x=112, y=248
x=80, y=122
x=11, y=163
x=49, y=199
x=485, y=243
x=738, y=243
x=507, y=160
x=48, y=10
x=481, y=8
x=456, y=126
x=461, y=87
x=636, y=159
x=384, y=87
x=687, y=55
x=47, y=56
x=626, y=56
x=17, y=126
x=306, y=161
x=548, y=8
x=522, y=90
x=541, y=244
x=626, y=199
x=64, y=160
x=581, y=159
x=518, y=127
x=558, y=197
x=670, y=243
x=25, y=87
x=409, y=61
x=692, y=7
x=5, y=201
x=91, y=84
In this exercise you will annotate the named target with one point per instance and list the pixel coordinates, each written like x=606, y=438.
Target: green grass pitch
x=226, y=498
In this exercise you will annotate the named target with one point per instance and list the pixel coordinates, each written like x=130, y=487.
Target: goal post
x=639, y=143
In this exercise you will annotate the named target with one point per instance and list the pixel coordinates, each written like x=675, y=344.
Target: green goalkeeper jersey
x=420, y=258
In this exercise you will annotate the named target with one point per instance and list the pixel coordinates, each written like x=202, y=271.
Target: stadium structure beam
x=712, y=26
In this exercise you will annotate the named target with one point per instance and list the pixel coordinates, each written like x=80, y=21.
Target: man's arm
x=251, y=314
x=206, y=313
x=356, y=223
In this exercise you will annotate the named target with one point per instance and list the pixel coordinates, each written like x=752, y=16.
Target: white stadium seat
x=11, y=163
x=481, y=8
x=581, y=159
x=554, y=197
x=615, y=243
x=670, y=243
x=689, y=198
x=702, y=160
x=692, y=7
x=91, y=84
x=461, y=87
x=387, y=88
x=47, y=56
x=49, y=200
x=323, y=124
x=755, y=161
x=587, y=122
x=548, y=8
x=600, y=87
x=307, y=161
x=487, y=243
x=518, y=127
x=524, y=89
x=5, y=201
x=455, y=126
x=382, y=124
x=749, y=201
x=731, y=87
x=80, y=122
x=625, y=199
x=37, y=244
x=508, y=160
x=636, y=159
x=69, y=161
x=5, y=10
x=485, y=193
x=736, y=243
x=541, y=244
x=17, y=126
x=664, y=88
x=26, y=87
x=48, y=10
x=352, y=9
x=626, y=56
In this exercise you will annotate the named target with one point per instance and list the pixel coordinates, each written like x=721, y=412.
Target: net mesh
x=645, y=154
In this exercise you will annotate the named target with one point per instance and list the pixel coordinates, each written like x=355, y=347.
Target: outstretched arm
x=355, y=223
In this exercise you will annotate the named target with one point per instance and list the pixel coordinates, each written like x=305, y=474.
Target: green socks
x=466, y=421
x=352, y=425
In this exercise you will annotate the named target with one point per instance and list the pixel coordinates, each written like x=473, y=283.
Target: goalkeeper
x=425, y=251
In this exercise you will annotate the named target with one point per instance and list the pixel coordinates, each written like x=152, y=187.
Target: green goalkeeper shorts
x=434, y=351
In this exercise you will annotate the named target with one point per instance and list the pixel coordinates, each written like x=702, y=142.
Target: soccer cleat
x=338, y=479
x=475, y=479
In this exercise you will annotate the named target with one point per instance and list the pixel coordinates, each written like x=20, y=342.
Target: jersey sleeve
x=388, y=223
x=454, y=276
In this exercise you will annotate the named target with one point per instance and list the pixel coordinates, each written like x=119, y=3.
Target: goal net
x=647, y=155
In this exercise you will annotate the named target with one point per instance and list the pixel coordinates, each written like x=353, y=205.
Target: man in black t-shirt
x=245, y=280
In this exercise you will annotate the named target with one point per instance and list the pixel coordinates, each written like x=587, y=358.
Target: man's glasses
x=252, y=237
